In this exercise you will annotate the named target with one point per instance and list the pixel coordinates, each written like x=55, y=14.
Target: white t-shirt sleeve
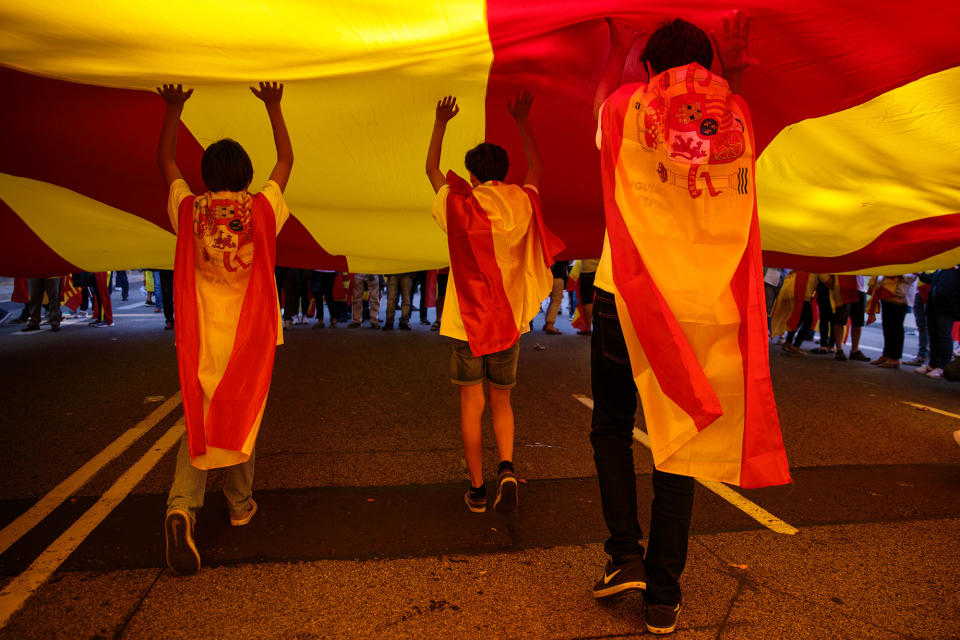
x=274, y=196
x=179, y=189
x=439, y=209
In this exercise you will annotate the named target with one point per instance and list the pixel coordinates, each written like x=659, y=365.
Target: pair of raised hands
x=269, y=92
x=520, y=107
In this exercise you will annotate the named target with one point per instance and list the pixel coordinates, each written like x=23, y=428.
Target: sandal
x=435, y=326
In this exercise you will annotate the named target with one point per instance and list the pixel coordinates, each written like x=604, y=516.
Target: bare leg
x=588, y=315
x=471, y=410
x=502, y=421
x=855, y=338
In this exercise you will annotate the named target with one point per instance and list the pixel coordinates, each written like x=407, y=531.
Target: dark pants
x=826, y=315
x=39, y=286
x=296, y=294
x=806, y=321
x=321, y=288
x=891, y=316
x=941, y=338
x=166, y=293
x=120, y=277
x=614, y=411
x=420, y=283
x=920, y=315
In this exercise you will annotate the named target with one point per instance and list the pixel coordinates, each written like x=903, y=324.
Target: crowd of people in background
x=840, y=306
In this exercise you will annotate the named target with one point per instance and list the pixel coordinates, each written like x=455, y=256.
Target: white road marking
x=750, y=508
x=23, y=586
x=132, y=306
x=19, y=527
x=935, y=410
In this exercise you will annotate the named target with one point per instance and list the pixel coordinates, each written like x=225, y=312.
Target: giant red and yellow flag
x=854, y=105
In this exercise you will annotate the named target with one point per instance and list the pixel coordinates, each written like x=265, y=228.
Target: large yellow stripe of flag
x=361, y=82
x=834, y=181
x=85, y=232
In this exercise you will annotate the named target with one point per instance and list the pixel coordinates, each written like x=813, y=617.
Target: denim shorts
x=499, y=369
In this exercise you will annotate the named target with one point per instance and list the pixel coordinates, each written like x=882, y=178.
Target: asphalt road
x=360, y=473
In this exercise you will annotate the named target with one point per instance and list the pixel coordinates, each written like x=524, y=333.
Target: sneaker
x=839, y=356
x=506, y=500
x=404, y=326
x=916, y=361
x=102, y=325
x=661, y=618
x=794, y=350
x=182, y=556
x=935, y=373
x=922, y=369
x=477, y=505
x=631, y=576
x=550, y=329
x=31, y=326
x=353, y=325
x=242, y=518
x=858, y=355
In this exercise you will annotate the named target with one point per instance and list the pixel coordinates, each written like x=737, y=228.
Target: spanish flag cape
x=678, y=172
x=491, y=284
x=222, y=418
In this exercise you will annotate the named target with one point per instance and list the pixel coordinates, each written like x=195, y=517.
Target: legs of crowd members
x=586, y=303
x=615, y=405
x=471, y=411
x=186, y=498
x=556, y=297
x=373, y=287
x=441, y=295
x=420, y=280
x=102, y=307
x=795, y=337
x=941, y=342
x=157, y=292
x=37, y=287
x=923, y=339
x=398, y=283
x=119, y=279
x=166, y=296
x=321, y=286
x=406, y=302
x=892, y=316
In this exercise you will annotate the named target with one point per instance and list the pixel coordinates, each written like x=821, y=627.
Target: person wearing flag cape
x=679, y=311
x=228, y=316
x=500, y=257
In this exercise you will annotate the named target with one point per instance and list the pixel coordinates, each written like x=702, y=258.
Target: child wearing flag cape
x=677, y=162
x=228, y=316
x=500, y=257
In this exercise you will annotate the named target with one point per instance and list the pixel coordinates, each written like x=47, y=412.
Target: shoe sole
x=474, y=508
x=182, y=555
x=506, y=501
x=246, y=518
x=621, y=587
x=664, y=630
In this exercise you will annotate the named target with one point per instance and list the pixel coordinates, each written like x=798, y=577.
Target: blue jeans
x=190, y=484
x=614, y=410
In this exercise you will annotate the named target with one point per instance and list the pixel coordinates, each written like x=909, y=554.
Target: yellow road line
x=16, y=529
x=935, y=410
x=750, y=508
x=23, y=586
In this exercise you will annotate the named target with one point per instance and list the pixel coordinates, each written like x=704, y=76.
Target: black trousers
x=166, y=293
x=39, y=286
x=614, y=412
x=892, y=315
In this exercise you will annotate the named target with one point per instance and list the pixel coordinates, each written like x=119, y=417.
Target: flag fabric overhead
x=853, y=105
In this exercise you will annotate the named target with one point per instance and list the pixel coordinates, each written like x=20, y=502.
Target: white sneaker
x=935, y=373
x=924, y=368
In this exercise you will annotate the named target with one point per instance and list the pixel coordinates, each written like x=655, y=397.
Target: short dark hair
x=225, y=166
x=675, y=44
x=487, y=161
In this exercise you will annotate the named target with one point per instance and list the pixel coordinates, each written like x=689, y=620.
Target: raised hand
x=732, y=43
x=174, y=95
x=269, y=92
x=520, y=107
x=447, y=108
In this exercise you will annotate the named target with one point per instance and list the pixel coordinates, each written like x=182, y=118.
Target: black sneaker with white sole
x=506, y=493
x=661, y=618
x=182, y=555
x=631, y=576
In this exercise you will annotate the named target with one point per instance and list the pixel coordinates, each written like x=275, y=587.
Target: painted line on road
x=19, y=527
x=933, y=409
x=16, y=593
x=749, y=507
x=132, y=306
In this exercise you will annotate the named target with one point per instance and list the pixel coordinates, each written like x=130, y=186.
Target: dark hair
x=225, y=166
x=675, y=44
x=487, y=161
